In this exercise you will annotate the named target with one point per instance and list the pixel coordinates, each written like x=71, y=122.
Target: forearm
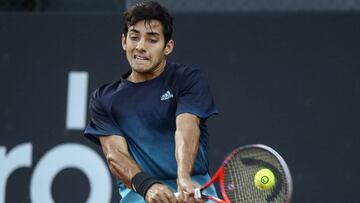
x=122, y=166
x=120, y=163
x=186, y=145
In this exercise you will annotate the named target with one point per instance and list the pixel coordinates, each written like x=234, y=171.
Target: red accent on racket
x=237, y=172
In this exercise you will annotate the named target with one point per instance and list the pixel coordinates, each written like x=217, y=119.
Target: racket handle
x=197, y=194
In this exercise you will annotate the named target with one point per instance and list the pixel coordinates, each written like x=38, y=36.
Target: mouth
x=142, y=58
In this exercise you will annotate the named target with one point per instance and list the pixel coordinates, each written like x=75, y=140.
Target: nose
x=140, y=46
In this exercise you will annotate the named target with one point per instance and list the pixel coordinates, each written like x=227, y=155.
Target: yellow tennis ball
x=264, y=179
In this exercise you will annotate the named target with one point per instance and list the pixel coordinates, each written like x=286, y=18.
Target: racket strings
x=239, y=173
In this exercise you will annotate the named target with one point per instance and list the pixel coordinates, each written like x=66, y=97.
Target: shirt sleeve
x=101, y=123
x=194, y=95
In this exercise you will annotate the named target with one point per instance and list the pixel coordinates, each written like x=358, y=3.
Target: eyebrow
x=148, y=33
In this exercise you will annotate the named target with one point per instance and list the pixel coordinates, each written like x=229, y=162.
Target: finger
x=199, y=200
x=157, y=198
x=183, y=197
x=163, y=199
x=172, y=198
x=180, y=196
x=168, y=197
x=189, y=198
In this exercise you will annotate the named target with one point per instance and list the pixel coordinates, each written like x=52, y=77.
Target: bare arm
x=118, y=158
x=187, y=142
x=125, y=168
x=186, y=147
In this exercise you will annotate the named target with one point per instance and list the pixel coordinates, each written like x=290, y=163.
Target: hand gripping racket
x=244, y=177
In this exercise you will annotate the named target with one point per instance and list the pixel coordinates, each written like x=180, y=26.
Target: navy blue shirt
x=145, y=115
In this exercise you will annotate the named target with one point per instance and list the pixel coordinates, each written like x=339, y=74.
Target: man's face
x=145, y=46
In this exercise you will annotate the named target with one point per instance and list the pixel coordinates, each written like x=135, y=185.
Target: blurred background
x=285, y=73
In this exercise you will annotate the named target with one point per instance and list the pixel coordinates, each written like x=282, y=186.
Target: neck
x=137, y=77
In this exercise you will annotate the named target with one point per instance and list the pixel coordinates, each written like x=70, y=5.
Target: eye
x=134, y=38
x=153, y=40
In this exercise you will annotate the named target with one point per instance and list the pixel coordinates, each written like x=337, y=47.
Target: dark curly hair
x=149, y=10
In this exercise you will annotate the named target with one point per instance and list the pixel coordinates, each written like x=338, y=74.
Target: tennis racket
x=237, y=180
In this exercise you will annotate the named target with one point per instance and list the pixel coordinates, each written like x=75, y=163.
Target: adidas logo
x=166, y=96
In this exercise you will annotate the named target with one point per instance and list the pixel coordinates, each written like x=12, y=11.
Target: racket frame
x=220, y=174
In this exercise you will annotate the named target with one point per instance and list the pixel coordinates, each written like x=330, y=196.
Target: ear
x=123, y=42
x=169, y=47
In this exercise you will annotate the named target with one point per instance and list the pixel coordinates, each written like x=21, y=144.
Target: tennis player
x=151, y=123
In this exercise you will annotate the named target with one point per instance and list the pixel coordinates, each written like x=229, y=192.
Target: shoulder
x=105, y=90
x=184, y=70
